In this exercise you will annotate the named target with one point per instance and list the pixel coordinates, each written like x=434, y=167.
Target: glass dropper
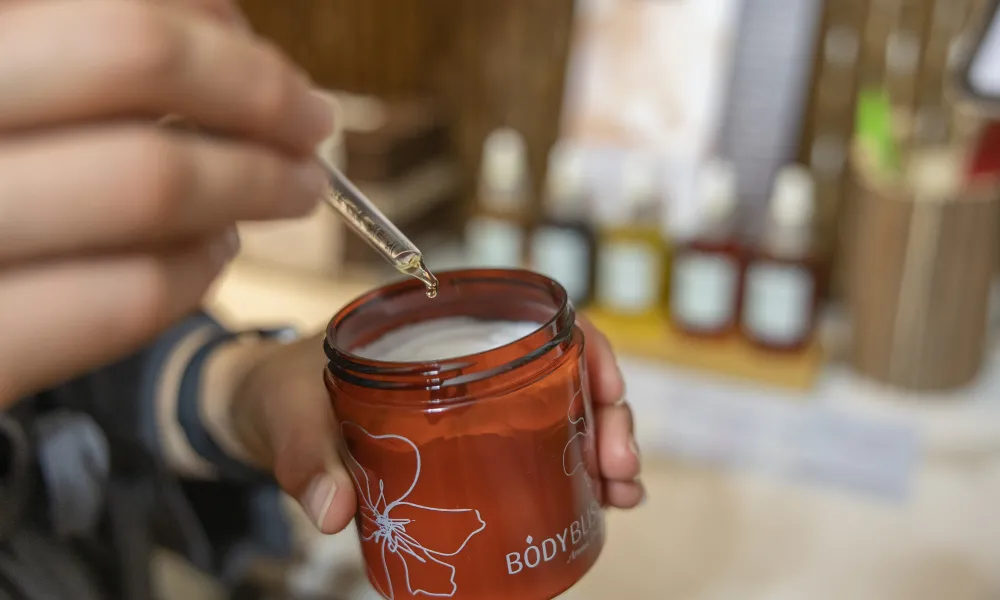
x=362, y=215
x=375, y=228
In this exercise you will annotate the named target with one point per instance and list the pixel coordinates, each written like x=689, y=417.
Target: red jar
x=476, y=475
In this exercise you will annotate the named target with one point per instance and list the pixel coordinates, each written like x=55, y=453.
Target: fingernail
x=622, y=401
x=233, y=242
x=221, y=249
x=634, y=447
x=309, y=179
x=318, y=498
x=316, y=118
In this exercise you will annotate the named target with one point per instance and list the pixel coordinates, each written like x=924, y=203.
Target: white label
x=703, y=290
x=628, y=277
x=494, y=243
x=778, y=302
x=563, y=255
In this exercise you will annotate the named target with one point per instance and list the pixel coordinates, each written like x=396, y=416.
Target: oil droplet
x=417, y=269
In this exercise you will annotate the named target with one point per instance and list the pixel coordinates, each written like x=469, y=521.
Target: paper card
x=650, y=76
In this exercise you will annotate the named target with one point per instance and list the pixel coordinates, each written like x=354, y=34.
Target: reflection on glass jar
x=466, y=424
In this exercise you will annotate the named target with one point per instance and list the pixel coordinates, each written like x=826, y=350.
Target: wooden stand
x=920, y=286
x=731, y=356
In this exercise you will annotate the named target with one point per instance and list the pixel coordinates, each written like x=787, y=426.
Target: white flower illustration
x=398, y=526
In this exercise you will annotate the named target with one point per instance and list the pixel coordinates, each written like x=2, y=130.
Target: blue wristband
x=189, y=415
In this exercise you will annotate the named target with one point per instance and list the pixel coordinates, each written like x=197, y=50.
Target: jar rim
x=442, y=373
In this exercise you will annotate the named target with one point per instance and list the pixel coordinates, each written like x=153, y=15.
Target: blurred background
x=782, y=212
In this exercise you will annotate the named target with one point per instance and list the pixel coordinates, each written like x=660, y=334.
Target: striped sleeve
x=156, y=399
x=191, y=407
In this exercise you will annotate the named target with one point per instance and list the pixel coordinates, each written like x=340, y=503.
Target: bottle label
x=703, y=291
x=629, y=276
x=778, y=302
x=563, y=255
x=495, y=243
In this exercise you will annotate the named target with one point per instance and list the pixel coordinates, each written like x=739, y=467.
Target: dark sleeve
x=220, y=524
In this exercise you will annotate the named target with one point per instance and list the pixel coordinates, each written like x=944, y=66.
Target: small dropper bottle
x=707, y=269
x=563, y=245
x=631, y=256
x=496, y=233
x=781, y=287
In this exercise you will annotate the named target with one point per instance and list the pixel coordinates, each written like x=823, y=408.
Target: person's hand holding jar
x=282, y=416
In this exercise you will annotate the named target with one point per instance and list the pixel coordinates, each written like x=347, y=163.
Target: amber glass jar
x=476, y=475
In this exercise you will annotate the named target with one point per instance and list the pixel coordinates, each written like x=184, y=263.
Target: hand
x=283, y=417
x=111, y=227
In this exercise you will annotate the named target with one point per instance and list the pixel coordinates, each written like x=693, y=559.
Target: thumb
x=297, y=435
x=307, y=466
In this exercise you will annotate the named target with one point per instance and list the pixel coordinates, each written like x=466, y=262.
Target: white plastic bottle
x=495, y=235
x=562, y=244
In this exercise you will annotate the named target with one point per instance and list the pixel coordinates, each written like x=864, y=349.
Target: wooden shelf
x=732, y=356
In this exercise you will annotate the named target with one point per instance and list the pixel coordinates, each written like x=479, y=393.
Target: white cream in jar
x=444, y=338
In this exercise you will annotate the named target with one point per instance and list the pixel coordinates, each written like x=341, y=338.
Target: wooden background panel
x=490, y=63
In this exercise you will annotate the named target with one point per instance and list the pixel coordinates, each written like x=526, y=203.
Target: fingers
x=618, y=453
x=606, y=382
x=168, y=185
x=624, y=494
x=298, y=436
x=123, y=58
x=53, y=314
x=618, y=456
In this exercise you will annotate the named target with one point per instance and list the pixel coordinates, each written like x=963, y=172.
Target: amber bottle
x=707, y=269
x=563, y=244
x=781, y=289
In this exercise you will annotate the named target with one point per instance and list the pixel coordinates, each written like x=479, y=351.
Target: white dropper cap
x=567, y=178
x=717, y=188
x=638, y=180
x=504, y=165
x=793, y=199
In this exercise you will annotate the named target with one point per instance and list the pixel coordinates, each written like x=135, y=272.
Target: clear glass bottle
x=476, y=469
x=707, y=269
x=563, y=244
x=781, y=289
x=496, y=234
x=632, y=254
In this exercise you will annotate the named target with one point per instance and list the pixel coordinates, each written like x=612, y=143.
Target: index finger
x=118, y=59
x=606, y=382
